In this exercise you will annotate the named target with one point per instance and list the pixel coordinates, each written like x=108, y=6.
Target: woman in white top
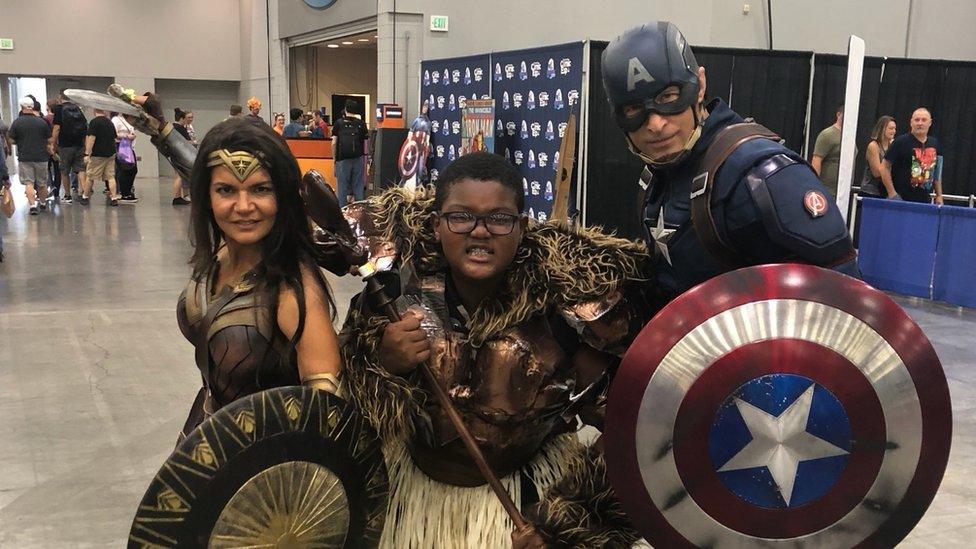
x=126, y=166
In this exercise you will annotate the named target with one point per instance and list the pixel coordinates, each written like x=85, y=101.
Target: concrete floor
x=96, y=379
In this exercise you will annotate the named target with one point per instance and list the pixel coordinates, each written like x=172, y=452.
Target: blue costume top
x=758, y=205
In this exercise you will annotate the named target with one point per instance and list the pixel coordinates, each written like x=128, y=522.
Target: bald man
x=910, y=168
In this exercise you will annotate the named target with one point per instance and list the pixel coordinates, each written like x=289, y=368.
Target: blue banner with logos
x=535, y=90
x=446, y=85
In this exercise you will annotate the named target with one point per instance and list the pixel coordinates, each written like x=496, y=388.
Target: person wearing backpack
x=70, y=128
x=348, y=135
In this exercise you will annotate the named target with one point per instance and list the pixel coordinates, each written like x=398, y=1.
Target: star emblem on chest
x=662, y=236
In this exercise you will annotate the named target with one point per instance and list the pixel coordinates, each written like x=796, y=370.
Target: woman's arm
x=319, y=363
x=873, y=156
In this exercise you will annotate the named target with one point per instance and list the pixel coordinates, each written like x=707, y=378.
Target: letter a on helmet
x=637, y=73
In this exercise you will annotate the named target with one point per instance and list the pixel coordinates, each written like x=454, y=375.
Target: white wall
x=939, y=28
x=122, y=38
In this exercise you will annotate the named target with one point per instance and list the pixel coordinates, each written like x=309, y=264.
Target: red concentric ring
x=786, y=356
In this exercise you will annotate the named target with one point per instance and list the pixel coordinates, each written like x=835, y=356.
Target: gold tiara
x=241, y=163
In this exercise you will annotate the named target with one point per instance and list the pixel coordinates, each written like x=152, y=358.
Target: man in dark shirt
x=910, y=167
x=32, y=136
x=294, y=128
x=100, y=156
x=348, y=135
x=69, y=131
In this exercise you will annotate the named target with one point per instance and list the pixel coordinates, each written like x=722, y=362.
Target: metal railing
x=970, y=201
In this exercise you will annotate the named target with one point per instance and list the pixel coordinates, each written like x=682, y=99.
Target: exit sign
x=438, y=23
x=8, y=43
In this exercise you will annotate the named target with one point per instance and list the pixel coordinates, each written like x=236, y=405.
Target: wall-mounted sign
x=438, y=23
x=6, y=43
x=320, y=4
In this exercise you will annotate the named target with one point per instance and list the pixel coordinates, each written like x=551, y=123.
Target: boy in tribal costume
x=522, y=326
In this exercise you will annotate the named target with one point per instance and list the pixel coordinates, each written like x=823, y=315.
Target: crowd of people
x=906, y=167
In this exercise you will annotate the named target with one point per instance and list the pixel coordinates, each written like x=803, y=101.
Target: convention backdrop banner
x=535, y=90
x=446, y=85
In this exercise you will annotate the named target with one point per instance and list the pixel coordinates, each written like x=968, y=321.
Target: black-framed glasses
x=497, y=223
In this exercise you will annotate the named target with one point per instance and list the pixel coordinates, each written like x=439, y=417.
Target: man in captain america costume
x=713, y=202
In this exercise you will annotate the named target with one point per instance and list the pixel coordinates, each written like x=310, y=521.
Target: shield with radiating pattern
x=287, y=467
x=779, y=405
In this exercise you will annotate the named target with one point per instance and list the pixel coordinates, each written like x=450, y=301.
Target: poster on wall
x=447, y=85
x=535, y=90
x=478, y=126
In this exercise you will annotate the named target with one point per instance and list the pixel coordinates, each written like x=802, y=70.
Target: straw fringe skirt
x=424, y=513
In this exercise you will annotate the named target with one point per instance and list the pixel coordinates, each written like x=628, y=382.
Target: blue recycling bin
x=897, y=245
x=955, y=260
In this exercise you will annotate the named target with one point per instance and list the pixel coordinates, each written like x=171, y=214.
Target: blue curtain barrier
x=955, y=260
x=898, y=244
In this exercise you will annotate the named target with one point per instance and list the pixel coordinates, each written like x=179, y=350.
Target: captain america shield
x=778, y=406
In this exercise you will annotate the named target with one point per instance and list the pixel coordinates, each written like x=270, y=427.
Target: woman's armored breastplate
x=238, y=345
x=510, y=394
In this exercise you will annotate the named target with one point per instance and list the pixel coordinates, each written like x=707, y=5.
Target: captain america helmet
x=642, y=63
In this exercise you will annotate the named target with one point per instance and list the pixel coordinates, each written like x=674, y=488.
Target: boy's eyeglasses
x=498, y=224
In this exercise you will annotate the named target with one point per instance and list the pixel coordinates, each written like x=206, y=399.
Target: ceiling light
x=332, y=45
x=347, y=43
x=363, y=40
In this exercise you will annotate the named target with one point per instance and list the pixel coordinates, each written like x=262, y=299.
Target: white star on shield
x=661, y=237
x=780, y=443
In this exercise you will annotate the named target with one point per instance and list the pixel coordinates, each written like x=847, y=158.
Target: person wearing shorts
x=100, y=155
x=32, y=136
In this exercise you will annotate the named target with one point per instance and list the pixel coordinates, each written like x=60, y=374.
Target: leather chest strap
x=725, y=143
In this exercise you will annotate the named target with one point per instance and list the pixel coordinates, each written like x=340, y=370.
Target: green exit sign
x=438, y=23
x=8, y=43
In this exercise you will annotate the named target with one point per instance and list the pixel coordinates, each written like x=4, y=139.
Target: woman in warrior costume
x=257, y=308
x=514, y=320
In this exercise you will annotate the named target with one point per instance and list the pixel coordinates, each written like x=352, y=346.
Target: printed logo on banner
x=532, y=213
x=440, y=101
x=525, y=131
x=543, y=159
x=456, y=127
x=555, y=161
x=564, y=66
x=543, y=99
x=536, y=69
x=440, y=151
x=498, y=72
x=548, y=196
x=508, y=155
x=523, y=74
x=518, y=157
x=573, y=97
x=479, y=74
x=525, y=183
x=532, y=161
x=531, y=103
x=517, y=100
x=446, y=127
x=542, y=217
x=562, y=129
x=550, y=134
x=467, y=75
x=426, y=78
x=558, y=102
x=509, y=71
x=451, y=153
x=535, y=188
x=434, y=126
x=451, y=104
x=505, y=101
x=456, y=76
x=536, y=129
x=551, y=69
x=462, y=101
x=499, y=128
x=446, y=79
x=510, y=127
